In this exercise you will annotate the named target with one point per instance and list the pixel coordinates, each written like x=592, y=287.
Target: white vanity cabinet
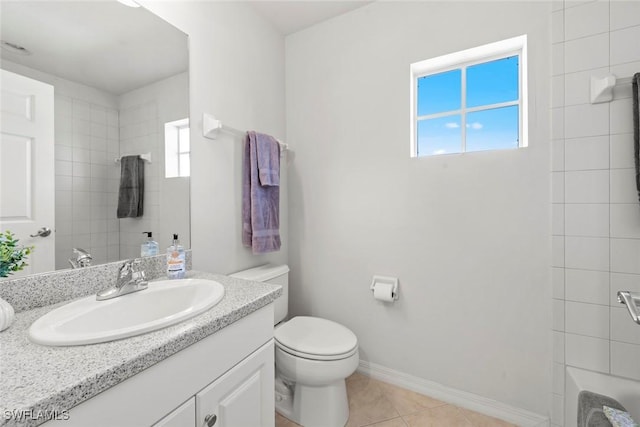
x=228, y=375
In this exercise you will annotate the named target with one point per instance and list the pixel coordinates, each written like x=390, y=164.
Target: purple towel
x=261, y=193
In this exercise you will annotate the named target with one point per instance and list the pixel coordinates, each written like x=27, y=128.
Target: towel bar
x=631, y=299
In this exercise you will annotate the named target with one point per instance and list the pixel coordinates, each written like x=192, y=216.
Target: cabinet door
x=183, y=416
x=242, y=397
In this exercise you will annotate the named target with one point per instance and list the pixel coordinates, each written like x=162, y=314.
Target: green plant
x=12, y=256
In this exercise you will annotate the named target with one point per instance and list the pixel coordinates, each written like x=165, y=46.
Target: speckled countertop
x=38, y=378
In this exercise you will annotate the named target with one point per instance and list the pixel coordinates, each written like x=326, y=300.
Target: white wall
x=596, y=219
x=143, y=113
x=236, y=63
x=467, y=235
x=86, y=142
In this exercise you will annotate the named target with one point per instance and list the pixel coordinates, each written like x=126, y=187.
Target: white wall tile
x=558, y=347
x=621, y=116
x=557, y=26
x=98, y=114
x=557, y=91
x=558, y=378
x=557, y=59
x=587, y=319
x=623, y=282
x=587, y=286
x=64, y=183
x=624, y=14
x=625, y=45
x=621, y=71
x=557, y=123
x=587, y=352
x=625, y=221
x=557, y=187
x=587, y=153
x=587, y=186
x=586, y=53
x=64, y=168
x=81, y=109
x=81, y=155
x=557, y=155
x=557, y=281
x=586, y=120
x=577, y=85
x=623, y=328
x=557, y=409
x=623, y=186
x=625, y=360
x=558, y=311
x=557, y=5
x=587, y=220
x=557, y=219
x=64, y=153
x=587, y=253
x=586, y=20
x=621, y=151
x=557, y=251
x=625, y=256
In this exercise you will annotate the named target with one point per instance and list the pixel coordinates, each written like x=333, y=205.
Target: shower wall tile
x=621, y=151
x=576, y=85
x=587, y=286
x=589, y=220
x=623, y=282
x=622, y=327
x=586, y=20
x=587, y=186
x=624, y=45
x=587, y=319
x=623, y=186
x=586, y=53
x=625, y=254
x=587, y=352
x=625, y=360
x=624, y=14
x=585, y=120
x=624, y=220
x=587, y=153
x=587, y=253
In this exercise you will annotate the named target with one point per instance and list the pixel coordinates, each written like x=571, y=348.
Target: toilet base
x=321, y=406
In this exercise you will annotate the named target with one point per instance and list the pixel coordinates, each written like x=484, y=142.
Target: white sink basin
x=163, y=303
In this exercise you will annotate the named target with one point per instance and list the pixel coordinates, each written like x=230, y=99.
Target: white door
x=27, y=180
x=244, y=396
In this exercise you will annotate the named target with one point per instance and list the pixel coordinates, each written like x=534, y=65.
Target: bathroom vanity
x=214, y=369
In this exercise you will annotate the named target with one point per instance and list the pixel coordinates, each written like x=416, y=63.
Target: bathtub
x=625, y=391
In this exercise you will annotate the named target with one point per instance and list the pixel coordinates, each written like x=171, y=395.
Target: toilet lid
x=316, y=338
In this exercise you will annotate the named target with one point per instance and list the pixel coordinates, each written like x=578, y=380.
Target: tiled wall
x=138, y=135
x=596, y=214
x=86, y=144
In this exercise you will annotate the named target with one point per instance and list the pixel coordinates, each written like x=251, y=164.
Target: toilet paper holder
x=393, y=281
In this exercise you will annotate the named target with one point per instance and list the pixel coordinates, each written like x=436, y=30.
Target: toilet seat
x=316, y=339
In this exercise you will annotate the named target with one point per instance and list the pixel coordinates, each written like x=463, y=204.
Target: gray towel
x=635, y=86
x=261, y=193
x=131, y=193
x=590, y=413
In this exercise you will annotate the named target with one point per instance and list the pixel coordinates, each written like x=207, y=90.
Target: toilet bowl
x=313, y=358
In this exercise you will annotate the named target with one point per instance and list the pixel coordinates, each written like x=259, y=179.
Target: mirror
x=120, y=78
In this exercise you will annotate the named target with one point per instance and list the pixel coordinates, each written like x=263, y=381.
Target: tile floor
x=375, y=403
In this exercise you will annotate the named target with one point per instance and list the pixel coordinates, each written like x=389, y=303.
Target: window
x=472, y=100
x=177, y=149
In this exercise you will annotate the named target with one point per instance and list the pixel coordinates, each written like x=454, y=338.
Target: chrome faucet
x=83, y=258
x=130, y=279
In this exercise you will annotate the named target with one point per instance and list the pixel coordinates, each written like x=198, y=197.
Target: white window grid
x=516, y=46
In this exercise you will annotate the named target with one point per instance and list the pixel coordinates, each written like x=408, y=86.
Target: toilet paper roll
x=383, y=292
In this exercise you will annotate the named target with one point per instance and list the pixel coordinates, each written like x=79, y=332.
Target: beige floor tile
x=367, y=402
x=442, y=416
x=406, y=401
x=481, y=420
x=284, y=422
x=396, y=422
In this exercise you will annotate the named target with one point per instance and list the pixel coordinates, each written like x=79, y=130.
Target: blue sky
x=487, y=83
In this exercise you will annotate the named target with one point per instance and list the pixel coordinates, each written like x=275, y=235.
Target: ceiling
x=295, y=15
x=106, y=45
x=102, y=44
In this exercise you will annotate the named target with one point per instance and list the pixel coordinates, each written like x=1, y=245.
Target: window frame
x=516, y=46
x=172, y=132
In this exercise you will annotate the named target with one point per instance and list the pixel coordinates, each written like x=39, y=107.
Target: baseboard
x=460, y=398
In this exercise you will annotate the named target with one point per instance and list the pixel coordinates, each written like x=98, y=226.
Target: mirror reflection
x=119, y=88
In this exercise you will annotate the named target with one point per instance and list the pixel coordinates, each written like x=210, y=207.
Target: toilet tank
x=274, y=274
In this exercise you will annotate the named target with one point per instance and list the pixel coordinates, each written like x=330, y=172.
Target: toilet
x=313, y=358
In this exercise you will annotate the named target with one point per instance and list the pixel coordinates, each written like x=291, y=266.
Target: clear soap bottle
x=176, y=263
x=150, y=247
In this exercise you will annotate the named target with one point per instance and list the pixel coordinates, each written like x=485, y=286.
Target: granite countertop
x=35, y=378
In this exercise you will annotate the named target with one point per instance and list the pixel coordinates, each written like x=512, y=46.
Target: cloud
x=440, y=151
x=451, y=125
x=475, y=126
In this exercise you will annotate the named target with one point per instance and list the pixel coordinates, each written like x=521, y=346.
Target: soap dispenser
x=150, y=247
x=176, y=264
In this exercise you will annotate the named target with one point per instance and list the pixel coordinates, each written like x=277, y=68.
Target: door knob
x=209, y=420
x=43, y=232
